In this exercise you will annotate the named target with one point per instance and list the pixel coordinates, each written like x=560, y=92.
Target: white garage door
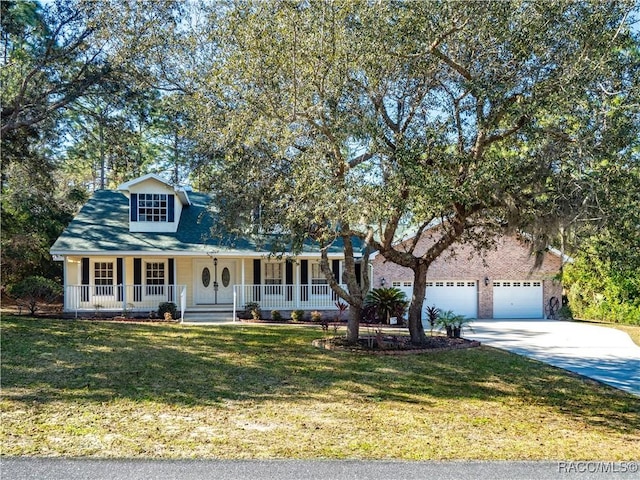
x=406, y=287
x=461, y=297
x=513, y=299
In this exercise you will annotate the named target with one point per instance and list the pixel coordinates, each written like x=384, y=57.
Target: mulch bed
x=394, y=345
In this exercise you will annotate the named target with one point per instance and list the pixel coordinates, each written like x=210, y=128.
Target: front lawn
x=80, y=388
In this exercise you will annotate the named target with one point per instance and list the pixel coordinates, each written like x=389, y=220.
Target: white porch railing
x=286, y=297
x=124, y=298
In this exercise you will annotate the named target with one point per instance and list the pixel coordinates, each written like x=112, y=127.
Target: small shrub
x=370, y=314
x=342, y=307
x=297, y=315
x=167, y=307
x=316, y=316
x=565, y=313
x=276, y=315
x=253, y=309
x=34, y=291
x=432, y=315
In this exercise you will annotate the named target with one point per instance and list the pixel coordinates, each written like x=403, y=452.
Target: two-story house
x=147, y=242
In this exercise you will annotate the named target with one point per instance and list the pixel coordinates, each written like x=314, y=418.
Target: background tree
x=70, y=81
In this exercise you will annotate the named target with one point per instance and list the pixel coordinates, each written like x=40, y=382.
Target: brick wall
x=509, y=259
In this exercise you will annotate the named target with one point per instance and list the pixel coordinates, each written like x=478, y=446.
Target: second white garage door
x=513, y=299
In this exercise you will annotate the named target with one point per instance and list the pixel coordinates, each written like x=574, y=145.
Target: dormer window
x=152, y=207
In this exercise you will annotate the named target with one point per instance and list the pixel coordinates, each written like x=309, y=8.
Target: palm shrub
x=387, y=302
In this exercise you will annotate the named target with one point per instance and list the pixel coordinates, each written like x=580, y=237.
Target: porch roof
x=102, y=227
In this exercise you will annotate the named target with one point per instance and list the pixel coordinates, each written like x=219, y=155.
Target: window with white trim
x=318, y=278
x=155, y=275
x=152, y=207
x=103, y=278
x=273, y=278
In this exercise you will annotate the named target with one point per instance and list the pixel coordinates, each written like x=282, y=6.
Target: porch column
x=297, y=283
x=242, y=273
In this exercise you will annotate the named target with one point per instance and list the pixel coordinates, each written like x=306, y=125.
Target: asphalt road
x=72, y=469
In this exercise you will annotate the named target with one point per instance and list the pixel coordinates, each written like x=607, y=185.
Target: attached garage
x=460, y=296
x=517, y=299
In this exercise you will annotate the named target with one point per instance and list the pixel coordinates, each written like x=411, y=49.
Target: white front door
x=214, y=281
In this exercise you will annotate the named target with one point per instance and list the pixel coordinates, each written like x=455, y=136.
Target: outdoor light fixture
x=486, y=281
x=382, y=282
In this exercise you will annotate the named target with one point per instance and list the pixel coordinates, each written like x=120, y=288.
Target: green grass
x=79, y=388
x=632, y=330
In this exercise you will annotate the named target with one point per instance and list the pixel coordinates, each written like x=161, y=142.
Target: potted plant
x=448, y=320
x=452, y=323
x=460, y=322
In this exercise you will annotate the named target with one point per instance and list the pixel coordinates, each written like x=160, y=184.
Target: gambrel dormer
x=154, y=204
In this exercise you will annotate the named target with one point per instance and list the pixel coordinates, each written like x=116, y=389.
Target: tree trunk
x=416, y=329
x=353, y=324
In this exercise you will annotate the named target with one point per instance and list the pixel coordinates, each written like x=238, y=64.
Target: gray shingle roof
x=102, y=226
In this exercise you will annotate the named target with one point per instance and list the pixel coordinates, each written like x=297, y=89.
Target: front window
x=103, y=278
x=152, y=207
x=318, y=279
x=155, y=278
x=273, y=278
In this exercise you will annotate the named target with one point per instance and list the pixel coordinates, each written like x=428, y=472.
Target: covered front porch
x=220, y=284
x=137, y=299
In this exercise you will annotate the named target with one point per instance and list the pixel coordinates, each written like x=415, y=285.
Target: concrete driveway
x=601, y=353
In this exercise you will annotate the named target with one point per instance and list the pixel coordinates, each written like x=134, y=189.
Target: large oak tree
x=367, y=120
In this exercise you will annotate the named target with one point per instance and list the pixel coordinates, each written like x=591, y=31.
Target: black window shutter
x=133, y=207
x=171, y=207
x=289, y=272
x=171, y=272
x=137, y=279
x=359, y=273
x=171, y=279
x=85, y=280
x=304, y=280
x=257, y=277
x=288, y=278
x=119, y=278
x=335, y=268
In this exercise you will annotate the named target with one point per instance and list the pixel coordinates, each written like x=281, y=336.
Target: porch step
x=207, y=316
